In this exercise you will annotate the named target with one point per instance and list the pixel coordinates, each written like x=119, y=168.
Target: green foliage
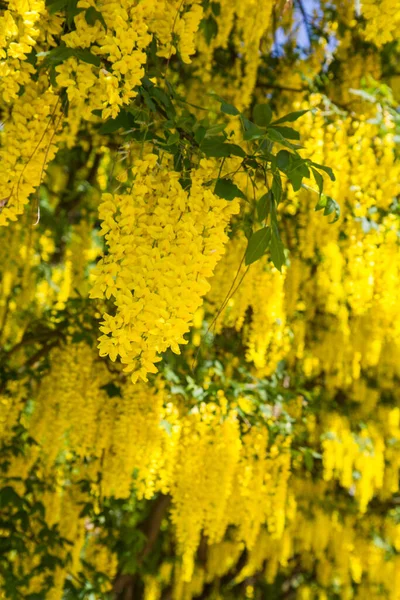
x=225, y=188
x=258, y=244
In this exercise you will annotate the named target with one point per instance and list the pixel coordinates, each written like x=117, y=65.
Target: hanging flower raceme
x=382, y=20
x=27, y=145
x=20, y=27
x=235, y=289
x=163, y=244
x=357, y=461
x=202, y=485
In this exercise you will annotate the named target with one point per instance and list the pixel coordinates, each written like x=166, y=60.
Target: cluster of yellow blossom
x=341, y=282
x=174, y=21
x=356, y=460
x=22, y=250
x=235, y=289
x=216, y=477
x=27, y=145
x=209, y=453
x=119, y=36
x=68, y=397
x=237, y=26
x=351, y=288
x=286, y=494
x=382, y=19
x=339, y=550
x=20, y=27
x=136, y=440
x=163, y=244
x=364, y=461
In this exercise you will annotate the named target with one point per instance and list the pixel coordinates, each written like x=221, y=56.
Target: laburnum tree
x=199, y=297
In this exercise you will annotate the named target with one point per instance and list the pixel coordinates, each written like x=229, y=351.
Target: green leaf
x=92, y=15
x=319, y=180
x=290, y=117
x=253, y=132
x=246, y=123
x=62, y=53
x=308, y=460
x=283, y=159
x=277, y=187
x=329, y=206
x=56, y=56
x=9, y=496
x=229, y=109
x=235, y=150
x=263, y=206
x=123, y=121
x=225, y=188
x=200, y=134
x=297, y=171
x=262, y=114
x=210, y=28
x=332, y=207
x=277, y=251
x=257, y=245
x=287, y=132
x=72, y=11
x=216, y=8
x=275, y=136
x=54, y=6
x=162, y=99
x=327, y=170
x=173, y=139
x=87, y=57
x=148, y=100
x=219, y=149
x=212, y=131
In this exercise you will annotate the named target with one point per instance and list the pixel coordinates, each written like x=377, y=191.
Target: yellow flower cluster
x=382, y=18
x=123, y=43
x=22, y=250
x=68, y=397
x=357, y=461
x=120, y=38
x=338, y=549
x=341, y=548
x=292, y=494
x=209, y=450
x=27, y=145
x=163, y=245
x=341, y=281
x=136, y=441
x=20, y=28
x=249, y=32
x=174, y=21
x=235, y=289
x=343, y=285
x=29, y=139
x=139, y=439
